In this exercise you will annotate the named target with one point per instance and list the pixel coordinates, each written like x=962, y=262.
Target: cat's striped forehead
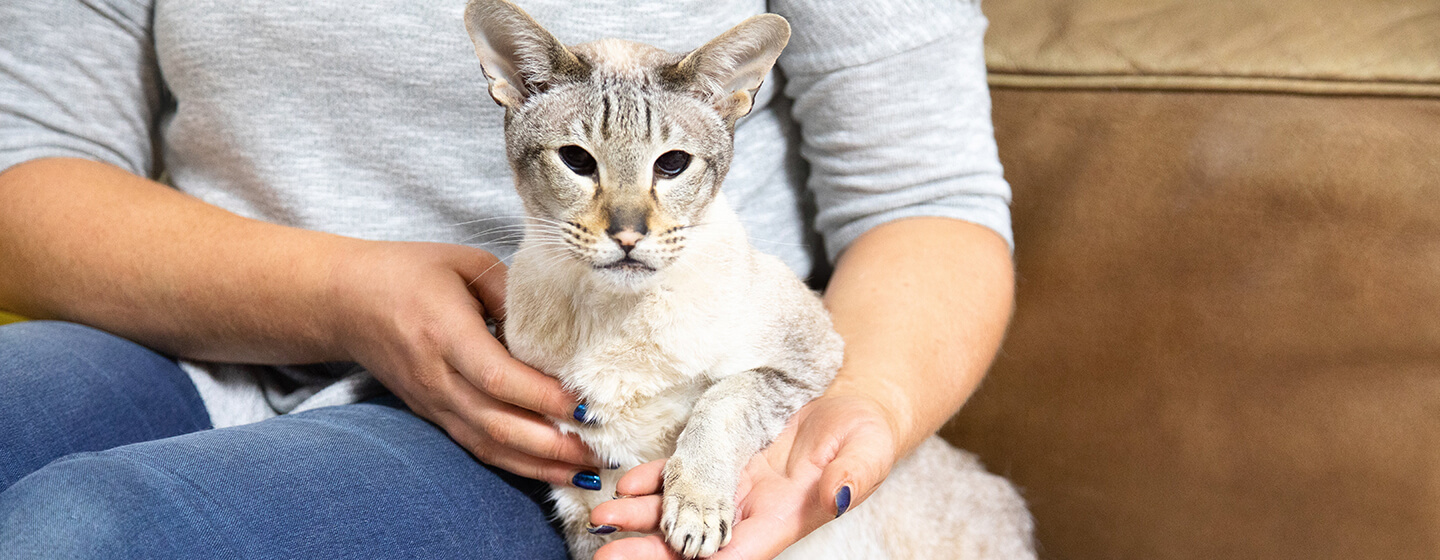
x=624, y=93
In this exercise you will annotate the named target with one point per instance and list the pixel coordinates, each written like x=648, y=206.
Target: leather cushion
x=1227, y=339
x=1387, y=47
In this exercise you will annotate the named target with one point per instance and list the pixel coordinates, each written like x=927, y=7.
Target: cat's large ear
x=730, y=68
x=519, y=57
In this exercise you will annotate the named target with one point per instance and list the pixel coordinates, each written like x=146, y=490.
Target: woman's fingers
x=829, y=461
x=639, y=510
x=839, y=455
x=854, y=474
x=482, y=447
x=509, y=426
x=642, y=480
x=758, y=538
x=640, y=514
x=488, y=366
x=416, y=320
x=638, y=548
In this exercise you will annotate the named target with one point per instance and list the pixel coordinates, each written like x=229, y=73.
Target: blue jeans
x=106, y=452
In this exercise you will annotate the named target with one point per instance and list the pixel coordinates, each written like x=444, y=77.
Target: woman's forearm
x=922, y=304
x=87, y=242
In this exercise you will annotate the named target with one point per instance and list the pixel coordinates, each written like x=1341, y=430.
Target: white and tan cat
x=636, y=286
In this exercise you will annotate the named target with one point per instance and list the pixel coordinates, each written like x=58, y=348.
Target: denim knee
x=99, y=505
x=53, y=348
x=67, y=388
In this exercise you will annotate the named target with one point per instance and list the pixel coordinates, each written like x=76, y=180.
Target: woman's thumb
x=860, y=465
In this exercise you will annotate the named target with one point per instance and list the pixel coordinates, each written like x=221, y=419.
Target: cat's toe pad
x=696, y=523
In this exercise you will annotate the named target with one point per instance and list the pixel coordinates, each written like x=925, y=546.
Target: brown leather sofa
x=1227, y=219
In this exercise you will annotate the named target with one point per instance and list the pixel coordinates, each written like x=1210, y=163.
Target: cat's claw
x=696, y=522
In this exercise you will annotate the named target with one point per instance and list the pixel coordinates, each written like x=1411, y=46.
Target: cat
x=636, y=286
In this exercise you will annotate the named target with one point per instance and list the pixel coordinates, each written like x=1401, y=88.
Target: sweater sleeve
x=78, y=78
x=894, y=113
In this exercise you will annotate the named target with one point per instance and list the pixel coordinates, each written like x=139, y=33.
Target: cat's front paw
x=697, y=514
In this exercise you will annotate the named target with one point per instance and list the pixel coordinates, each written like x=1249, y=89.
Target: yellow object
x=7, y=317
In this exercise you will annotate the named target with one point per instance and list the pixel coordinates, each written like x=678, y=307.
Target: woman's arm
x=91, y=243
x=922, y=304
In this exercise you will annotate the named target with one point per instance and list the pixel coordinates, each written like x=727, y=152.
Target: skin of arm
x=97, y=245
x=922, y=304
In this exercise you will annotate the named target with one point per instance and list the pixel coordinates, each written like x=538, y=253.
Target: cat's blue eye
x=577, y=159
x=671, y=163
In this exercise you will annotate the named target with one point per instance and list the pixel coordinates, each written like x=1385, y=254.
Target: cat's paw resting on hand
x=696, y=513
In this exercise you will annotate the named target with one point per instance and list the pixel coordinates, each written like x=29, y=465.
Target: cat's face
x=616, y=169
x=618, y=148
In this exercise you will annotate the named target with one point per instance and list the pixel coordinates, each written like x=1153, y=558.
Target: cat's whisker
x=522, y=226
x=532, y=248
x=518, y=221
x=511, y=236
x=499, y=244
x=526, y=227
x=483, y=273
x=548, y=246
x=550, y=260
x=515, y=231
x=468, y=238
x=506, y=217
x=546, y=220
x=488, y=219
x=537, y=233
x=501, y=229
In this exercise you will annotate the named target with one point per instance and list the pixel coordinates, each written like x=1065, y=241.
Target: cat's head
x=618, y=148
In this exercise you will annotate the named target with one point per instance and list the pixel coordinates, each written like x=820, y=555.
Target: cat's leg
x=735, y=419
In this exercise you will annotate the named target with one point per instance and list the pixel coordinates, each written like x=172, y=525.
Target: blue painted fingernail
x=842, y=500
x=580, y=413
x=601, y=530
x=587, y=480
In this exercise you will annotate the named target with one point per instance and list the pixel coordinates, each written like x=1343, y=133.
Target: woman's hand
x=788, y=490
x=414, y=315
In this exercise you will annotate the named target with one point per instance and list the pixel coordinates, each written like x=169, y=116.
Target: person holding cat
x=324, y=160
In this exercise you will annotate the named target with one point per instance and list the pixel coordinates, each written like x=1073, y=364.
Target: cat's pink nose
x=627, y=238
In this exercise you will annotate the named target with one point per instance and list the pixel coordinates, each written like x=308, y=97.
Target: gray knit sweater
x=370, y=119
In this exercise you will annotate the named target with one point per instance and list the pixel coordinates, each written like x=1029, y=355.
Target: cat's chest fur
x=638, y=361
